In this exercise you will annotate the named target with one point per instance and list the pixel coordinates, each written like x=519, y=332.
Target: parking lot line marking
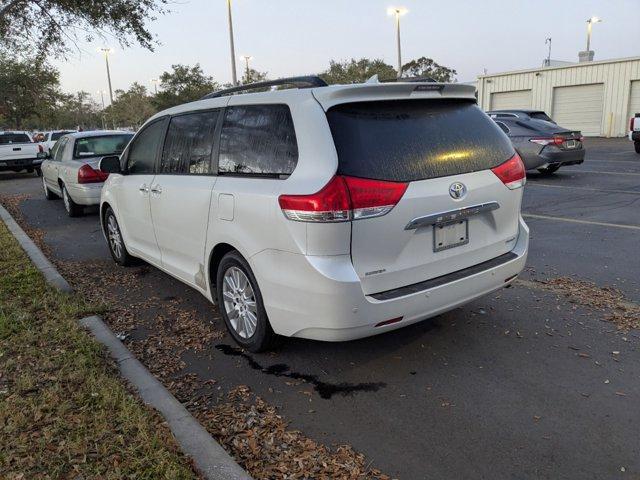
x=598, y=171
x=575, y=220
x=536, y=184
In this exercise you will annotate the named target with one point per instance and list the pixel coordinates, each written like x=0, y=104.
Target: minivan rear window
x=410, y=140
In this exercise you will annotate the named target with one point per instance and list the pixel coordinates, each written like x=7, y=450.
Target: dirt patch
x=611, y=301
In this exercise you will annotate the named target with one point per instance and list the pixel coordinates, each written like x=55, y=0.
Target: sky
x=296, y=37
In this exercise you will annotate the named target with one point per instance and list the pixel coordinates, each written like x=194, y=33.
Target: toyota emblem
x=457, y=190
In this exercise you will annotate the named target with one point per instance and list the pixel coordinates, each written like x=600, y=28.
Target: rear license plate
x=450, y=235
x=570, y=143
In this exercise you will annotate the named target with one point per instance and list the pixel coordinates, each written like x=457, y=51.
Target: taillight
x=512, y=172
x=86, y=174
x=344, y=199
x=631, y=120
x=557, y=141
x=40, y=149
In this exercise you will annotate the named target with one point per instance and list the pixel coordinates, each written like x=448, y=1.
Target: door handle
x=143, y=188
x=156, y=189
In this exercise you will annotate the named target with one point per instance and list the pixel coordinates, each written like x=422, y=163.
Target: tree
x=71, y=111
x=131, y=108
x=55, y=25
x=183, y=84
x=253, y=76
x=28, y=89
x=426, y=67
x=357, y=71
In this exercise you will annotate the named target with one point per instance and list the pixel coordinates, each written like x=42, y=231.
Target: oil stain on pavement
x=325, y=390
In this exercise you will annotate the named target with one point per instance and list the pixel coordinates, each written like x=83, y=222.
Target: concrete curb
x=34, y=253
x=209, y=457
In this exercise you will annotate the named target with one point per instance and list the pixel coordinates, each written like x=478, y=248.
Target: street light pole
x=104, y=123
x=590, y=22
x=234, y=76
x=398, y=12
x=106, y=52
x=155, y=85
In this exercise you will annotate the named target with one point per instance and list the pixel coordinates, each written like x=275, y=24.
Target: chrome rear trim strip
x=451, y=215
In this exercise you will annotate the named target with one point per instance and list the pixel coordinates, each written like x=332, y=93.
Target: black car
x=542, y=144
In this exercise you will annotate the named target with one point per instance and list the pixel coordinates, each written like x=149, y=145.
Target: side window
x=258, y=140
x=144, y=148
x=189, y=144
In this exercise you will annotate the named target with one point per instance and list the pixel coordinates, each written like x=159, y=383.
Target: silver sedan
x=71, y=168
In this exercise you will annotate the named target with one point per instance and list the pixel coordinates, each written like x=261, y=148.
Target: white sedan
x=71, y=168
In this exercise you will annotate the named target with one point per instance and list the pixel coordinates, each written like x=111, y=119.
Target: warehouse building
x=597, y=98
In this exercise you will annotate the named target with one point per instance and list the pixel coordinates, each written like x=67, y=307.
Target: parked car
x=19, y=153
x=329, y=212
x=50, y=138
x=634, y=131
x=541, y=143
x=71, y=168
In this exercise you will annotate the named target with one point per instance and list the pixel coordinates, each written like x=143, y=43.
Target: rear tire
x=115, y=241
x=241, y=306
x=48, y=194
x=637, y=145
x=72, y=208
x=549, y=170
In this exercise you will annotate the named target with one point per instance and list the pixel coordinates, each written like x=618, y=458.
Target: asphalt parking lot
x=521, y=384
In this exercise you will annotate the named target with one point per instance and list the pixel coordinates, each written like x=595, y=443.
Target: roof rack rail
x=298, y=82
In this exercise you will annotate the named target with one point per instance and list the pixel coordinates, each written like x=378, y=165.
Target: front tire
x=115, y=240
x=72, y=208
x=240, y=303
x=38, y=172
x=549, y=170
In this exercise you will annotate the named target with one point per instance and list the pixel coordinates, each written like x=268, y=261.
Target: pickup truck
x=18, y=153
x=634, y=131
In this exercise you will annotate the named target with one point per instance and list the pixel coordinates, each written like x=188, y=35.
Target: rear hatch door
x=444, y=150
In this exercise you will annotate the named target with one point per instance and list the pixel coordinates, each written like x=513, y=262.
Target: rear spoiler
x=365, y=92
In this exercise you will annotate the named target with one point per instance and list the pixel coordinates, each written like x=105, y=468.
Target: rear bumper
x=20, y=164
x=548, y=157
x=321, y=297
x=88, y=194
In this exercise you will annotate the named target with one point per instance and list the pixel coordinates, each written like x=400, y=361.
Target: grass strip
x=64, y=413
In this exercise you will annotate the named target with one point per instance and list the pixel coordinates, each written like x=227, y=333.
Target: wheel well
x=60, y=183
x=103, y=209
x=218, y=252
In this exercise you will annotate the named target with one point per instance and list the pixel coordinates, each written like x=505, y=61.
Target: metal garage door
x=579, y=108
x=511, y=100
x=634, y=99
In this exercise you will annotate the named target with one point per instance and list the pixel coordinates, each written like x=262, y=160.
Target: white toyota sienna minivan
x=322, y=212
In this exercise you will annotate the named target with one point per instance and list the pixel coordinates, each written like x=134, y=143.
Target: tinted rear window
x=57, y=135
x=409, y=140
x=8, y=138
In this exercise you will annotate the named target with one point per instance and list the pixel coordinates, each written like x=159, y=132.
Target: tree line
x=32, y=97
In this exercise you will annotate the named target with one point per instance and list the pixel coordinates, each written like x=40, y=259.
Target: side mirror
x=110, y=164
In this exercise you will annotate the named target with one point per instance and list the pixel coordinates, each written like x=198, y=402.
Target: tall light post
x=590, y=22
x=398, y=12
x=548, y=60
x=246, y=59
x=104, y=123
x=106, y=52
x=155, y=82
x=234, y=76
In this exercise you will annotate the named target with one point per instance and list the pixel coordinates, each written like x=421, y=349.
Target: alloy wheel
x=240, y=302
x=115, y=239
